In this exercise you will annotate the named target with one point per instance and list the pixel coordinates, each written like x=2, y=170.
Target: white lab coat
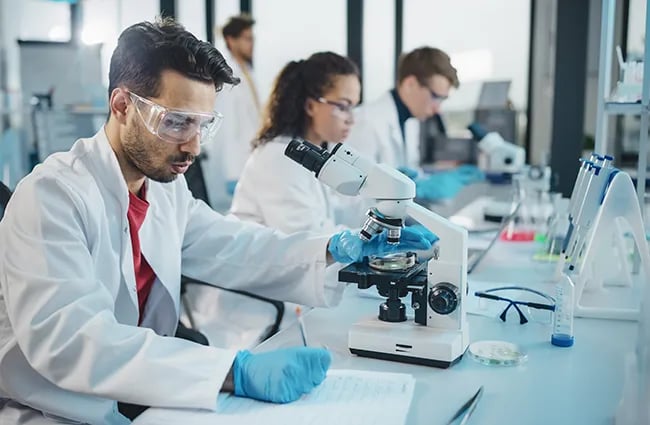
x=226, y=156
x=376, y=133
x=276, y=191
x=69, y=340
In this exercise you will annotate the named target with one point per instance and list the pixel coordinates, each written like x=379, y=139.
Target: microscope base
x=407, y=342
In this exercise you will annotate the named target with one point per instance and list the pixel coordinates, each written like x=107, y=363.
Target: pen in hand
x=301, y=326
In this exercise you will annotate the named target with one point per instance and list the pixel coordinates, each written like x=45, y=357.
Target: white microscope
x=501, y=157
x=438, y=334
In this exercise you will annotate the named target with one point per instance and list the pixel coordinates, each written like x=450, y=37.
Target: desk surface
x=577, y=385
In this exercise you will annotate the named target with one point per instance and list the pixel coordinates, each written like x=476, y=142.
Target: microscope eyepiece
x=306, y=154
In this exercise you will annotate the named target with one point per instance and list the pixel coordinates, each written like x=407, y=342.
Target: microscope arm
x=350, y=173
x=453, y=238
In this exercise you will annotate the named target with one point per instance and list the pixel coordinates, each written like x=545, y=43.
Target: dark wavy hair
x=299, y=80
x=146, y=49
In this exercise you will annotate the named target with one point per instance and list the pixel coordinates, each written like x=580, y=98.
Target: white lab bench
x=577, y=385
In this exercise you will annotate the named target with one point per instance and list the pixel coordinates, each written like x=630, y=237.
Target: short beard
x=138, y=156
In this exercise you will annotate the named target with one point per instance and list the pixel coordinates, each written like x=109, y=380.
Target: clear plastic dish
x=393, y=262
x=497, y=353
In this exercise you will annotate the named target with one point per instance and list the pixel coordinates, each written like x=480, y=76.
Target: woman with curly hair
x=312, y=99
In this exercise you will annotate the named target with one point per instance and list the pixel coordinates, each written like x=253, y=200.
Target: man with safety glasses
x=94, y=241
x=388, y=129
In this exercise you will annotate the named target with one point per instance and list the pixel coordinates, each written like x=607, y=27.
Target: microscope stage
x=407, y=342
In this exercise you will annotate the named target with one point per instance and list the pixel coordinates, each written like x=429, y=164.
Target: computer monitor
x=494, y=95
x=462, y=150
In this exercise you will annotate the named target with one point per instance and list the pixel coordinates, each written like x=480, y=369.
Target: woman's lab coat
x=376, y=133
x=69, y=338
x=276, y=191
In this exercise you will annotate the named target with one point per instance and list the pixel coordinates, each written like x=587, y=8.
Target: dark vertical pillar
x=168, y=8
x=355, y=33
x=76, y=21
x=569, y=93
x=209, y=20
x=399, y=30
x=246, y=6
x=529, y=88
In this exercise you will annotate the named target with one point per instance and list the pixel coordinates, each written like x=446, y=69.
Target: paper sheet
x=346, y=397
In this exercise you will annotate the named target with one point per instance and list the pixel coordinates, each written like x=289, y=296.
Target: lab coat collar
x=403, y=112
x=109, y=169
x=398, y=138
x=234, y=65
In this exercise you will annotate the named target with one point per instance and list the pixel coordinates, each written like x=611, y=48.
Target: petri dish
x=497, y=353
x=393, y=262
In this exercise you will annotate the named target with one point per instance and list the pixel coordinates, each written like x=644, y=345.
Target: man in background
x=388, y=129
x=242, y=116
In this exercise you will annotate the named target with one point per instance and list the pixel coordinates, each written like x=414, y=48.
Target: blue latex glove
x=279, y=376
x=230, y=186
x=408, y=172
x=441, y=185
x=347, y=247
x=469, y=173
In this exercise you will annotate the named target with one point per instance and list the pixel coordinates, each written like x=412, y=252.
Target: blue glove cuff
x=238, y=372
x=409, y=172
x=346, y=251
x=347, y=247
x=230, y=187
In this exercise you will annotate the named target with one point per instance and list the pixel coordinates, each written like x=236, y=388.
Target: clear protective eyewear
x=435, y=97
x=341, y=110
x=174, y=125
x=526, y=302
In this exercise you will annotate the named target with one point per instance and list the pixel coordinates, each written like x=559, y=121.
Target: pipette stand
x=606, y=288
x=634, y=407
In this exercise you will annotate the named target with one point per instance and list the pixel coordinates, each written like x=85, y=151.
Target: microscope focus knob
x=443, y=298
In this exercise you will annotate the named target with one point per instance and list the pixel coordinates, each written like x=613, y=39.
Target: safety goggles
x=529, y=304
x=437, y=98
x=340, y=110
x=176, y=126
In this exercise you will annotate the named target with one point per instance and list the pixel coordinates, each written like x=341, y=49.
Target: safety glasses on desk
x=176, y=126
x=531, y=305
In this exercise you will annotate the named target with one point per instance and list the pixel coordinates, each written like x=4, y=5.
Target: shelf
x=616, y=108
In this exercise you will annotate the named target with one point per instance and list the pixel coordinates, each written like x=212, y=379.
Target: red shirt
x=144, y=274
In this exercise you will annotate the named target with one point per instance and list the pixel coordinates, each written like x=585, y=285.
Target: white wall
x=104, y=20
x=191, y=13
x=40, y=20
x=294, y=29
x=223, y=10
x=378, y=47
x=487, y=40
